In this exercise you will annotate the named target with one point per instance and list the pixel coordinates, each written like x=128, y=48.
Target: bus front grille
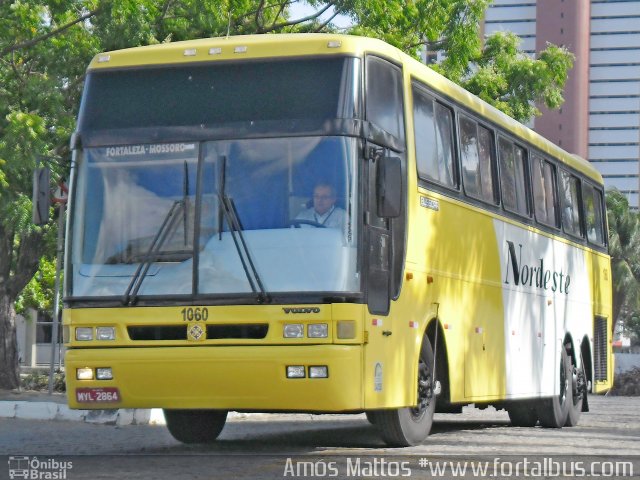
x=251, y=331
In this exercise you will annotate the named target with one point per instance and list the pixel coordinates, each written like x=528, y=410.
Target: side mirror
x=41, y=197
x=389, y=185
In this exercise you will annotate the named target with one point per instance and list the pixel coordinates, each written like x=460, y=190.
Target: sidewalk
x=42, y=406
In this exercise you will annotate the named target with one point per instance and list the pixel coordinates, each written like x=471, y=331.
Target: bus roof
x=297, y=45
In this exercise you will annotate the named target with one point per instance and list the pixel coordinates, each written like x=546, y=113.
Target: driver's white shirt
x=333, y=218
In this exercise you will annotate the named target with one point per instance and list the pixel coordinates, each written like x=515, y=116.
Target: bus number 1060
x=195, y=314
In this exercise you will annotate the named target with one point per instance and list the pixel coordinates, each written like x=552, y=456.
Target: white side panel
x=511, y=13
x=545, y=296
x=606, y=89
x=615, y=40
x=624, y=104
x=617, y=168
x=614, y=151
x=620, y=120
x=606, y=25
x=614, y=136
x=608, y=57
x=610, y=9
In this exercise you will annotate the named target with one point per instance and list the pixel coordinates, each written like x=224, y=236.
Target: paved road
x=277, y=446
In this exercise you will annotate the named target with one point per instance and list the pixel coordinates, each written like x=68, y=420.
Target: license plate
x=98, y=395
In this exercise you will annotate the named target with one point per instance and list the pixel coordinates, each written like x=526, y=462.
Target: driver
x=324, y=211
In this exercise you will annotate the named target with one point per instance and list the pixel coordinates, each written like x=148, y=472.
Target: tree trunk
x=9, y=364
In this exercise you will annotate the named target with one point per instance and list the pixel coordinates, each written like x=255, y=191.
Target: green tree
x=624, y=248
x=39, y=292
x=509, y=80
x=45, y=47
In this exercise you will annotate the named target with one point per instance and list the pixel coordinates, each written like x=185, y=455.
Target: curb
x=56, y=411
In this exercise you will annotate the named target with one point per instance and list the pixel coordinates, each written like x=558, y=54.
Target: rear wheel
x=522, y=414
x=553, y=412
x=195, y=426
x=579, y=391
x=404, y=427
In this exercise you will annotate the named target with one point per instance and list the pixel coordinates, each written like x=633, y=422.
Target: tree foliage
x=514, y=82
x=624, y=248
x=39, y=292
x=45, y=47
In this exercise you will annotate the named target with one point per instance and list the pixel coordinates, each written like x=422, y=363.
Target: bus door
x=384, y=183
x=386, y=367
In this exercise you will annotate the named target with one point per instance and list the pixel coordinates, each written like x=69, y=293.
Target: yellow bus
x=320, y=223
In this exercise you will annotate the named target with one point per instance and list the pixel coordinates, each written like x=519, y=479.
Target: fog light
x=318, y=330
x=295, y=371
x=293, y=330
x=104, y=373
x=84, y=374
x=320, y=371
x=84, y=334
x=346, y=329
x=105, y=333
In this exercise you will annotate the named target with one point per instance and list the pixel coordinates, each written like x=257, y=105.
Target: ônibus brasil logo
x=36, y=468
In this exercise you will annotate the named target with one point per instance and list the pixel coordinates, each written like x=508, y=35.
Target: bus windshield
x=218, y=217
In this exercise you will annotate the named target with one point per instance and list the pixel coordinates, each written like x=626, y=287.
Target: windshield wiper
x=170, y=221
x=228, y=209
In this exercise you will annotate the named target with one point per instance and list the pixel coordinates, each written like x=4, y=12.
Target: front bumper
x=222, y=377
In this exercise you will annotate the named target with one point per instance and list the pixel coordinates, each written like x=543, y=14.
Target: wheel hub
x=425, y=390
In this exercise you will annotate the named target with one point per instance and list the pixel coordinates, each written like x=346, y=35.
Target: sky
x=301, y=9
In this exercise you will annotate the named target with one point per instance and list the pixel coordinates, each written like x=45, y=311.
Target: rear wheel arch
x=585, y=350
x=435, y=331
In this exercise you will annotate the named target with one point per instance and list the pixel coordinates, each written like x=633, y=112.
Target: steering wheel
x=296, y=222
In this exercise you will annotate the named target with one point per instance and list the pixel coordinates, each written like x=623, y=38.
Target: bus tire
x=553, y=412
x=195, y=426
x=522, y=414
x=579, y=390
x=372, y=416
x=408, y=426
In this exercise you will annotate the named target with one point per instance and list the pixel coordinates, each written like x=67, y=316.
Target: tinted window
x=384, y=96
x=433, y=132
x=570, y=202
x=544, y=190
x=593, y=215
x=512, y=177
x=476, y=154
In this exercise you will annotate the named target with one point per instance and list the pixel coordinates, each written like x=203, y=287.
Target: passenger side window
x=594, y=218
x=570, y=201
x=512, y=176
x=544, y=190
x=384, y=96
x=476, y=153
x=434, y=145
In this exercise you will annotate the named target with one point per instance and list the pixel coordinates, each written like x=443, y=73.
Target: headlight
x=293, y=330
x=319, y=371
x=295, y=371
x=84, y=334
x=104, y=373
x=105, y=333
x=84, y=374
x=318, y=330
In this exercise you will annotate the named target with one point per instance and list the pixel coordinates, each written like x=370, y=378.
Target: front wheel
x=195, y=426
x=404, y=427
